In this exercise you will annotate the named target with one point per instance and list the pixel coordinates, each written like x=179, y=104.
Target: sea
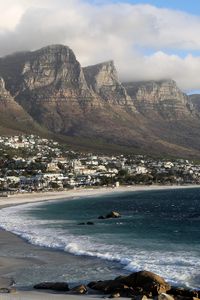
x=159, y=231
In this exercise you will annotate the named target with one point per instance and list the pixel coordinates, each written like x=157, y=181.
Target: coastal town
x=29, y=163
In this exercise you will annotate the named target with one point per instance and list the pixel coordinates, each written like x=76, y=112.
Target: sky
x=148, y=40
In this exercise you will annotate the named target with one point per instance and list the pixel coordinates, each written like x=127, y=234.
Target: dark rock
x=175, y=291
x=115, y=295
x=113, y=214
x=185, y=298
x=80, y=289
x=149, y=282
x=112, y=286
x=127, y=292
x=106, y=286
x=101, y=217
x=56, y=286
x=4, y=290
x=90, y=223
x=92, y=283
x=139, y=283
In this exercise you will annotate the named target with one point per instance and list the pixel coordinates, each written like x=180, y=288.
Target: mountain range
x=48, y=92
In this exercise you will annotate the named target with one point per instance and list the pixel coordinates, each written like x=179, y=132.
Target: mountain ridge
x=50, y=85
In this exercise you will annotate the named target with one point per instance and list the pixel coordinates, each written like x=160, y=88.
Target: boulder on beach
x=79, y=290
x=56, y=286
x=139, y=283
x=107, y=286
x=164, y=296
x=183, y=292
x=149, y=282
x=115, y=295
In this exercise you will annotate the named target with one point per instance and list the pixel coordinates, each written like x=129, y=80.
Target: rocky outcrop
x=50, y=85
x=143, y=282
x=111, y=215
x=138, y=286
x=79, y=290
x=12, y=116
x=103, y=80
x=195, y=101
x=161, y=98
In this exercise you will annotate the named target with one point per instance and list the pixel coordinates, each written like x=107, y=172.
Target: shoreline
x=9, y=263
x=26, y=198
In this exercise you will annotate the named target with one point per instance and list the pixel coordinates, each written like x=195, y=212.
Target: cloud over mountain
x=140, y=38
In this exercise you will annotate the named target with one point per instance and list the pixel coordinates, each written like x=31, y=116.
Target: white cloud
x=108, y=31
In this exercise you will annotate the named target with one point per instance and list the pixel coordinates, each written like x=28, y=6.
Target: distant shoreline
x=26, y=198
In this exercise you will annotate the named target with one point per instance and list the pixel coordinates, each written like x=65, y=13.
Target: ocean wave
x=180, y=268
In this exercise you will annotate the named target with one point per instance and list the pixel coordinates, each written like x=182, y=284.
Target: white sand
x=34, y=295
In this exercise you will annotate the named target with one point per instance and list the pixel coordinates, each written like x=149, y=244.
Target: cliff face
x=195, y=101
x=13, y=117
x=161, y=98
x=50, y=85
x=103, y=80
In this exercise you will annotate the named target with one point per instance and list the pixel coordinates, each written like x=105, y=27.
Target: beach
x=12, y=265
x=23, y=198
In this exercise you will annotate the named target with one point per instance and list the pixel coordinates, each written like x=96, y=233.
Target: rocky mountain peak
x=101, y=75
x=55, y=65
x=103, y=80
x=50, y=86
x=4, y=94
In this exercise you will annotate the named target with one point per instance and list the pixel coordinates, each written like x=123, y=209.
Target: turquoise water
x=159, y=230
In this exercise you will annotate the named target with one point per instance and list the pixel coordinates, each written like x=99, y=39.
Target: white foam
x=177, y=267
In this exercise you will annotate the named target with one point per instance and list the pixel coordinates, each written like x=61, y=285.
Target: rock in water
x=113, y=214
x=90, y=223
